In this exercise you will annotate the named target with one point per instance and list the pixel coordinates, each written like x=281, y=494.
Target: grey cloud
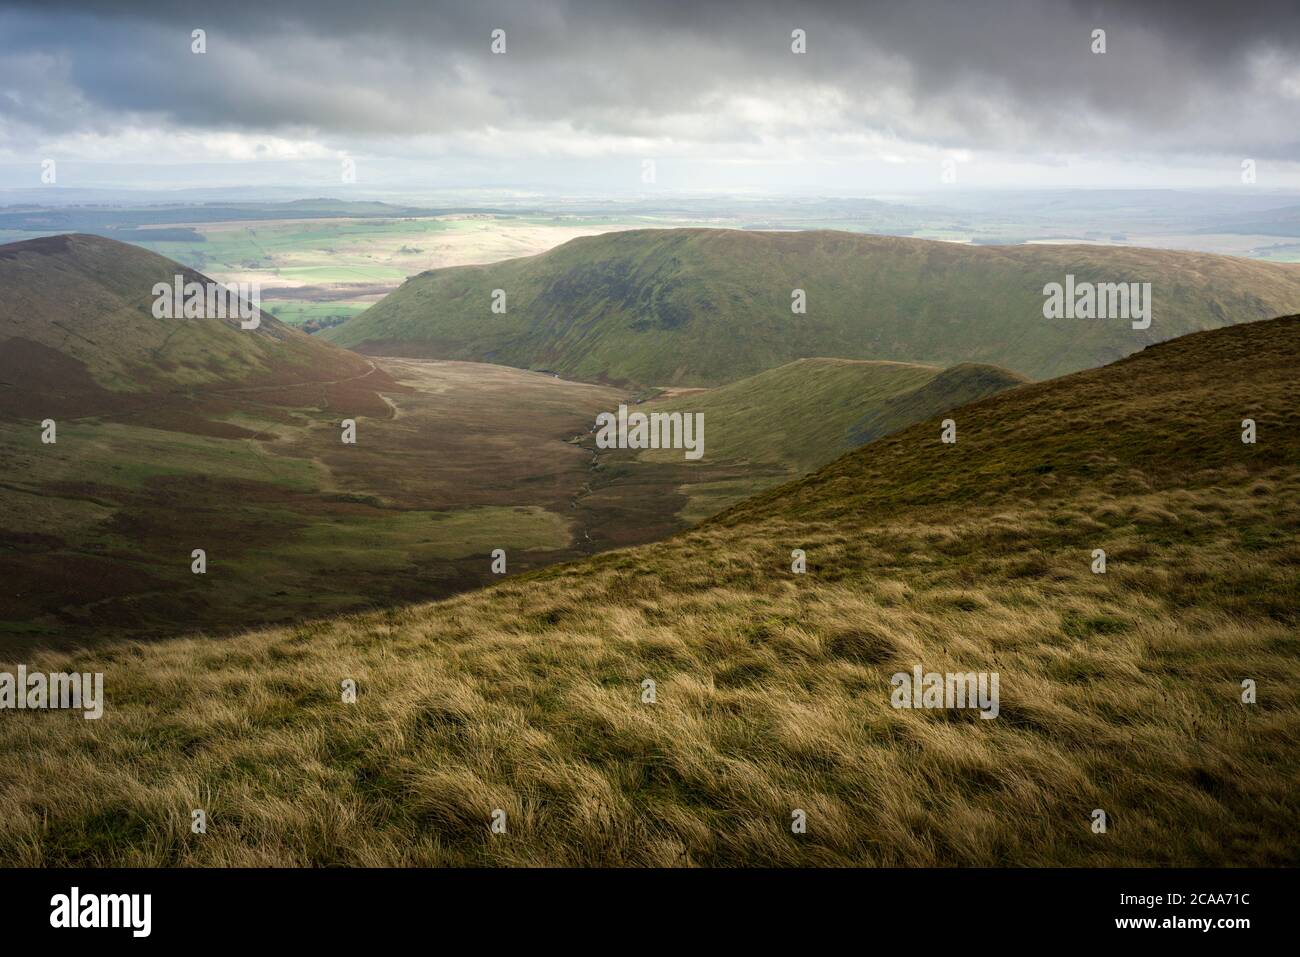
x=1009, y=75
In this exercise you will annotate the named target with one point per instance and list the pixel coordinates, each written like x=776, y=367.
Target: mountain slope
x=798, y=413
x=705, y=306
x=1119, y=691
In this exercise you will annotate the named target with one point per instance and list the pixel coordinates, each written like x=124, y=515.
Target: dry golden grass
x=1118, y=691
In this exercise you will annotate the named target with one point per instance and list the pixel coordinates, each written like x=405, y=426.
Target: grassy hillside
x=1119, y=691
x=962, y=383
x=785, y=422
x=706, y=306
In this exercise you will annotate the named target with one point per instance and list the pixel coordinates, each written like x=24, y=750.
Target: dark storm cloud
x=1012, y=75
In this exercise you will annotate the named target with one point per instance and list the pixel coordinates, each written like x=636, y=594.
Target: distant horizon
x=284, y=192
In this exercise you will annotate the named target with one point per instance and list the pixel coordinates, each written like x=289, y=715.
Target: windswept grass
x=1119, y=691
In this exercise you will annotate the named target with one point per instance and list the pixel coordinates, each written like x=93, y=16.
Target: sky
x=610, y=99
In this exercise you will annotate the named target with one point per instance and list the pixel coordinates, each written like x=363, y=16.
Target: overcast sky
x=1007, y=92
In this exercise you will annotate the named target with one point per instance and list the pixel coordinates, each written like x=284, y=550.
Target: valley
x=348, y=509
x=170, y=435
x=451, y=460
x=570, y=436
x=227, y=436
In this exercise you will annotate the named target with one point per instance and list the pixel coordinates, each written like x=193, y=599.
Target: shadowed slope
x=1163, y=412
x=963, y=383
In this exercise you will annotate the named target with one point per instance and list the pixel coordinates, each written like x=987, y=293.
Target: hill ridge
x=702, y=307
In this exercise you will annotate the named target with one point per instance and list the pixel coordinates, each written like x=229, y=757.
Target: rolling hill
x=807, y=412
x=702, y=307
x=770, y=691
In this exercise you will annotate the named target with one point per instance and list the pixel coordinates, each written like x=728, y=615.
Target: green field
x=317, y=267
x=319, y=259
x=296, y=312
